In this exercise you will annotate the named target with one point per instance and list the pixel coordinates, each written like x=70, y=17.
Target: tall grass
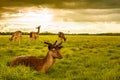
x=84, y=58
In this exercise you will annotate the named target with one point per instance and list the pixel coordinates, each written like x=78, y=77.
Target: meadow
x=84, y=58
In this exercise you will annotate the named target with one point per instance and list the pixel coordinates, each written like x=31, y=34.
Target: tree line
x=26, y=33
x=50, y=33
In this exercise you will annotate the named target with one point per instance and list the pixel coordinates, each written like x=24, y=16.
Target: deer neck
x=48, y=62
x=38, y=31
x=12, y=37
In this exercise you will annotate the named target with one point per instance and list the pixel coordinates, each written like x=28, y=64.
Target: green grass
x=84, y=58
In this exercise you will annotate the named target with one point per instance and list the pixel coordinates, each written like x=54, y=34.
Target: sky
x=68, y=16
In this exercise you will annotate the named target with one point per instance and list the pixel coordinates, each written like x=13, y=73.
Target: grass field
x=84, y=58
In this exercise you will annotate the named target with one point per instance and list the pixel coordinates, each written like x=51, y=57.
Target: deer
x=17, y=35
x=34, y=35
x=40, y=64
x=61, y=36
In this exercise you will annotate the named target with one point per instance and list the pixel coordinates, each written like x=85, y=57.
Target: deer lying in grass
x=16, y=35
x=37, y=63
x=61, y=36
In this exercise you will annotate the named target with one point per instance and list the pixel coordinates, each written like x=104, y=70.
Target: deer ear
x=49, y=47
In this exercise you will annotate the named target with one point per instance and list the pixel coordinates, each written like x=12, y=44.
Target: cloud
x=69, y=27
x=14, y=6
x=88, y=15
x=67, y=15
x=63, y=3
x=63, y=10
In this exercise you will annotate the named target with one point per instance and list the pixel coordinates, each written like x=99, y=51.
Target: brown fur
x=34, y=35
x=61, y=36
x=39, y=64
x=16, y=35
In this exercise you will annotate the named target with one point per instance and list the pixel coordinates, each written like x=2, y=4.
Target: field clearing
x=84, y=58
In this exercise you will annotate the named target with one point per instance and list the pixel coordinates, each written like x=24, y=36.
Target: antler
x=49, y=45
x=58, y=44
x=54, y=45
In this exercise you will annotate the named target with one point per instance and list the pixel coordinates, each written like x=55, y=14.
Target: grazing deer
x=40, y=64
x=34, y=35
x=16, y=35
x=61, y=36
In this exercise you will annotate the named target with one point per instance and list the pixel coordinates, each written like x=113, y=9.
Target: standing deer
x=61, y=36
x=40, y=64
x=16, y=35
x=34, y=35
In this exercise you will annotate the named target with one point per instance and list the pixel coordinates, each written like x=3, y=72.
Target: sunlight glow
x=43, y=17
x=65, y=20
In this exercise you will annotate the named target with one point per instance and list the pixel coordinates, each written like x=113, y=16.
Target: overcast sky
x=75, y=16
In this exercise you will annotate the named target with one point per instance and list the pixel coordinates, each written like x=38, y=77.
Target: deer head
x=38, y=27
x=54, y=49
